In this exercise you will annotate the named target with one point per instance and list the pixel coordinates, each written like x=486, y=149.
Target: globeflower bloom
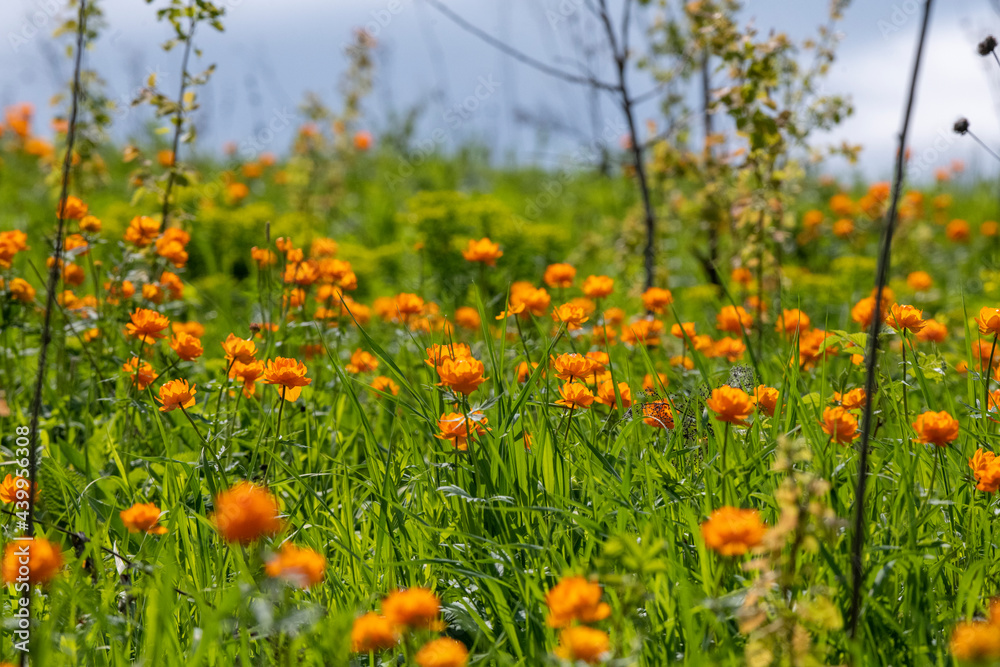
x=143, y=517
x=559, y=275
x=766, y=399
x=919, y=281
x=933, y=332
x=936, y=428
x=44, y=560
x=598, y=287
x=733, y=319
x=575, y=395
x=606, y=394
x=142, y=230
x=176, y=394
x=141, y=378
x=71, y=208
x=656, y=299
x=301, y=566
x=731, y=404
x=186, y=346
x=731, y=531
x=12, y=485
x=989, y=321
x=245, y=513
x=658, y=414
x=361, y=361
x=372, y=632
x=462, y=375
x=840, y=425
x=147, y=325
x=851, y=400
x=384, y=384
x=458, y=428
x=985, y=467
x=580, y=643
x=484, y=251
x=573, y=316
x=575, y=599
x=977, y=641
x=288, y=374
x=905, y=318
x=792, y=320
x=442, y=652
x=413, y=608
x=248, y=374
x=643, y=332
x=569, y=367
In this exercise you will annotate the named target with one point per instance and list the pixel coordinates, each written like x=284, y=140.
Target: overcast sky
x=274, y=51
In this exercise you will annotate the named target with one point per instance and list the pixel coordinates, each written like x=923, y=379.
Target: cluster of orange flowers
x=407, y=611
x=17, y=121
x=574, y=604
x=978, y=641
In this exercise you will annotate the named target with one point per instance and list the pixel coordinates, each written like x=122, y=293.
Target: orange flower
x=976, y=642
x=142, y=230
x=386, y=385
x=524, y=371
x=733, y=319
x=958, y=231
x=651, y=383
x=71, y=208
x=248, y=374
x=21, y=290
x=572, y=315
x=143, y=517
x=985, y=467
x=186, y=346
x=766, y=399
x=575, y=395
x=361, y=362
x=289, y=374
x=165, y=157
x=301, y=566
x=742, y=276
x=575, y=599
x=792, y=320
x=989, y=321
x=34, y=559
x=468, y=318
x=372, y=632
x=905, y=318
x=730, y=404
x=147, y=325
x=864, y=309
x=919, y=281
x=238, y=349
x=731, y=531
x=534, y=301
x=840, y=425
x=145, y=375
x=90, y=224
x=458, y=428
x=658, y=414
x=15, y=488
x=598, y=287
x=245, y=513
x=442, y=652
x=810, y=345
x=462, y=375
x=407, y=305
x=414, y=608
x=606, y=394
x=483, y=250
x=656, y=299
x=569, y=367
x=843, y=228
x=730, y=348
x=195, y=329
x=436, y=354
x=263, y=257
x=643, y=332
x=683, y=330
x=936, y=428
x=933, y=332
x=176, y=394
x=580, y=643
x=559, y=275
x=852, y=400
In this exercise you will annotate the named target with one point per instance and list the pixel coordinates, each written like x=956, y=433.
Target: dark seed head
x=987, y=45
x=962, y=125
